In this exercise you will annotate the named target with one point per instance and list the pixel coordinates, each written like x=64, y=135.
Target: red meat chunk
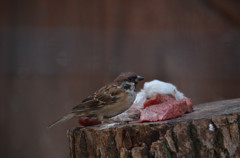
x=158, y=99
x=85, y=121
x=189, y=104
x=164, y=107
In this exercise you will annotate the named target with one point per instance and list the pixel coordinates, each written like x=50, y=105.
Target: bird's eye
x=131, y=79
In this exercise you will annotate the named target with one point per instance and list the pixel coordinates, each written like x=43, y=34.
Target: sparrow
x=108, y=101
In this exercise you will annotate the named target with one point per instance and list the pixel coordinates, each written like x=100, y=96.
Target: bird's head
x=128, y=80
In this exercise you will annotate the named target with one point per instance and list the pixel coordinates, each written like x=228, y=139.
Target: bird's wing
x=106, y=95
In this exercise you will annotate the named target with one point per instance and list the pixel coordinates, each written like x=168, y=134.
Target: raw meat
x=158, y=99
x=85, y=121
x=164, y=107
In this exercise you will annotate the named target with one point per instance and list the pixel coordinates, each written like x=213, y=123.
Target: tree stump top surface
x=200, y=111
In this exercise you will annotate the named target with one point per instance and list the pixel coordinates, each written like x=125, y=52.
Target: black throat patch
x=129, y=86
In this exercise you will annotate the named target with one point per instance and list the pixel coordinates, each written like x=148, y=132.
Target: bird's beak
x=140, y=78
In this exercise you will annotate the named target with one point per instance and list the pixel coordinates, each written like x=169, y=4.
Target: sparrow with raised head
x=108, y=101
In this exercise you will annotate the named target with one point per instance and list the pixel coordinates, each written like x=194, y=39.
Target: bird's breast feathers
x=124, y=101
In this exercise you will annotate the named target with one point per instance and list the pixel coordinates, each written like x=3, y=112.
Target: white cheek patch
x=131, y=86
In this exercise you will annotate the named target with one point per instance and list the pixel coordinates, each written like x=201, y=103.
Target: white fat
x=154, y=87
x=141, y=97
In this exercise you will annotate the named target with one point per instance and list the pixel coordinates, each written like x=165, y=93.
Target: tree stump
x=211, y=130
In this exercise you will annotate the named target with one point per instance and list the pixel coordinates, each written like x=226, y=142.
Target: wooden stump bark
x=212, y=130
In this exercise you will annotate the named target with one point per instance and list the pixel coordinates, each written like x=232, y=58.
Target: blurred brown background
x=55, y=53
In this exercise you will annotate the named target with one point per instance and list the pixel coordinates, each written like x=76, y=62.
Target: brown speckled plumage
x=108, y=101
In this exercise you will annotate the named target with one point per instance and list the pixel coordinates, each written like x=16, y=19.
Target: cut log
x=211, y=130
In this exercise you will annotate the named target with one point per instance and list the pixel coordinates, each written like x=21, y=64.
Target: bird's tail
x=64, y=118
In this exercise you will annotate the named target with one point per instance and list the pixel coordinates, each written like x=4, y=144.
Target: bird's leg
x=104, y=120
x=100, y=118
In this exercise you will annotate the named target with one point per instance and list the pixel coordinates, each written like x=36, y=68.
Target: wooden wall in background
x=54, y=53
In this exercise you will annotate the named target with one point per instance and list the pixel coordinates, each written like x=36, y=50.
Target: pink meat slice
x=169, y=109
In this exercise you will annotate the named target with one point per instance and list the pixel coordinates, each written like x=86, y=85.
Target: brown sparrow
x=108, y=101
